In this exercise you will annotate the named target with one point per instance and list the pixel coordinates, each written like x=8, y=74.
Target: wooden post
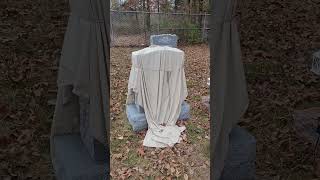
x=158, y=16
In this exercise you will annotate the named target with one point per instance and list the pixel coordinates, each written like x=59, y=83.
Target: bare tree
x=148, y=16
x=176, y=5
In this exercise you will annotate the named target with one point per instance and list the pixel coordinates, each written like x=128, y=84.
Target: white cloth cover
x=230, y=97
x=157, y=83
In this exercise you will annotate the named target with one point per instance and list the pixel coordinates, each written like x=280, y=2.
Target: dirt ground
x=187, y=159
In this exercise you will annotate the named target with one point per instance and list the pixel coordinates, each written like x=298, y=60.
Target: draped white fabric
x=230, y=97
x=157, y=82
x=83, y=71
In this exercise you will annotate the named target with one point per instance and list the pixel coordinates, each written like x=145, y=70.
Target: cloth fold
x=157, y=84
x=229, y=91
x=83, y=72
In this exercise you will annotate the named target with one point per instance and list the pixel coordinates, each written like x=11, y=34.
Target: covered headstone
x=135, y=113
x=79, y=137
x=157, y=84
x=230, y=98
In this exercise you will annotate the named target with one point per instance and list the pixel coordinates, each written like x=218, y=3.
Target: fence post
x=111, y=30
x=144, y=28
x=204, y=27
x=158, y=22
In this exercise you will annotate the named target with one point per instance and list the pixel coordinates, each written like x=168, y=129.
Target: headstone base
x=73, y=162
x=138, y=121
x=240, y=162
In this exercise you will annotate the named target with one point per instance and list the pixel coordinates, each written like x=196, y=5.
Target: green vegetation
x=194, y=133
x=133, y=159
x=185, y=29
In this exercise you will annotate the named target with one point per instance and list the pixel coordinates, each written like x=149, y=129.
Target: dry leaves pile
x=31, y=38
x=190, y=158
x=278, y=38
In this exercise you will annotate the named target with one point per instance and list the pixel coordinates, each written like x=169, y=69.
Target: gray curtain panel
x=83, y=71
x=230, y=98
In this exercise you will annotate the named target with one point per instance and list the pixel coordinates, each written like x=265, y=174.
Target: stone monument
x=164, y=40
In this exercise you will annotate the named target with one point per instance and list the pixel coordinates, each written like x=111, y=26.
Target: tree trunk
x=194, y=6
x=189, y=6
x=176, y=4
x=143, y=5
x=200, y=19
x=148, y=16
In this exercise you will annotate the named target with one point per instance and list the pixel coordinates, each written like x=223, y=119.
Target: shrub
x=190, y=32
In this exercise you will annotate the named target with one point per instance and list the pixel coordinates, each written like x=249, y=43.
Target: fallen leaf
x=141, y=151
x=117, y=156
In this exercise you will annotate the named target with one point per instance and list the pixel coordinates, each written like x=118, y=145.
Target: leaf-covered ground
x=31, y=35
x=187, y=160
x=277, y=37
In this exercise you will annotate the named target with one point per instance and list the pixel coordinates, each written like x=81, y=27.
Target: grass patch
x=194, y=133
x=205, y=149
x=134, y=160
x=115, y=144
x=134, y=138
x=190, y=84
x=202, y=116
x=126, y=125
x=196, y=98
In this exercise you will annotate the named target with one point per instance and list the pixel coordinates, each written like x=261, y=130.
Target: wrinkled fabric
x=229, y=92
x=83, y=71
x=157, y=83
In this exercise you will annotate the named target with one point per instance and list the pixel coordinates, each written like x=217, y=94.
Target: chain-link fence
x=133, y=28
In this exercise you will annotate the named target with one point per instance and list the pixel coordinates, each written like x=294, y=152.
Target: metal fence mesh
x=133, y=28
